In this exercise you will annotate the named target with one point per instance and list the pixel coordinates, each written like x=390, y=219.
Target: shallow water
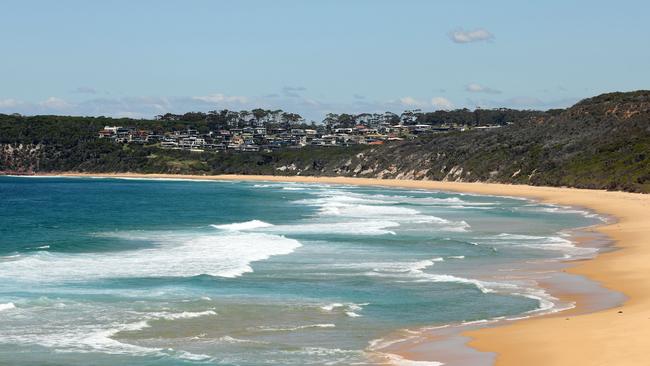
x=173, y=272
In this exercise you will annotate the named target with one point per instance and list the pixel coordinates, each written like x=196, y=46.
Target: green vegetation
x=601, y=142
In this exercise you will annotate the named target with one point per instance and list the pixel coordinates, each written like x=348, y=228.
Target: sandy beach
x=616, y=336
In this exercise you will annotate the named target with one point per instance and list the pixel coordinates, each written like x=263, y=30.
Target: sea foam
x=554, y=243
x=401, y=361
x=353, y=206
x=183, y=315
x=297, y=327
x=85, y=339
x=240, y=226
x=175, y=255
x=349, y=309
x=362, y=227
x=7, y=306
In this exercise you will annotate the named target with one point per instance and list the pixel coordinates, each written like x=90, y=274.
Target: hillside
x=601, y=142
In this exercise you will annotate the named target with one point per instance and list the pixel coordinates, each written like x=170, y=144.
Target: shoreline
x=571, y=294
x=615, y=336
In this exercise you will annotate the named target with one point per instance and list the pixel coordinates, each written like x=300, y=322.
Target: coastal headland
x=616, y=336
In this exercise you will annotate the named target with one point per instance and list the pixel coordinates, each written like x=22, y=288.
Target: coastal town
x=264, y=130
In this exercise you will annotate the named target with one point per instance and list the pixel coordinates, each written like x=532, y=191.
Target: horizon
x=307, y=120
x=148, y=58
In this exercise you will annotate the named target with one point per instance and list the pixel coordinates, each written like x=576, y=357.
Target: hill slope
x=601, y=142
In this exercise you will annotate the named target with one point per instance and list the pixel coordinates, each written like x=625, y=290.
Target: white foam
x=233, y=340
x=414, y=272
x=86, y=339
x=343, y=198
x=102, y=341
x=349, y=309
x=421, y=265
x=297, y=327
x=183, y=355
x=363, y=227
x=328, y=353
x=358, y=206
x=546, y=302
x=240, y=226
x=483, y=286
x=10, y=257
x=456, y=257
x=414, y=268
x=90, y=338
x=401, y=361
x=555, y=243
x=566, y=210
x=7, y=306
x=176, y=255
x=365, y=211
x=183, y=315
x=476, y=322
x=331, y=307
x=381, y=343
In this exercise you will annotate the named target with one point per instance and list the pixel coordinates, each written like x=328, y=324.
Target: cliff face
x=601, y=142
x=19, y=158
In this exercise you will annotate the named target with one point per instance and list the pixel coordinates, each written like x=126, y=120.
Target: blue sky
x=142, y=58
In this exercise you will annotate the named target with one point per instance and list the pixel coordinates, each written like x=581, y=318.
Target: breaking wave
x=295, y=328
x=349, y=309
x=554, y=243
x=183, y=315
x=240, y=226
x=7, y=306
x=345, y=205
x=175, y=255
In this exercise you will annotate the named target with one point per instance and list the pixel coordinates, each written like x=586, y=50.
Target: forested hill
x=601, y=142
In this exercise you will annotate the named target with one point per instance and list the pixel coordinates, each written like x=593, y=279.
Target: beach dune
x=616, y=336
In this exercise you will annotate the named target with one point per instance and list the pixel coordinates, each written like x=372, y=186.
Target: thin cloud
x=85, y=90
x=147, y=107
x=478, y=88
x=293, y=91
x=221, y=98
x=442, y=103
x=435, y=103
x=10, y=103
x=55, y=103
x=411, y=102
x=476, y=35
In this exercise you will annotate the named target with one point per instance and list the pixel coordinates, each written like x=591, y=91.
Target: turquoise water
x=171, y=272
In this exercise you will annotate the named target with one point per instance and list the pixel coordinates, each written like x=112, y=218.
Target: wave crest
x=241, y=226
x=175, y=255
x=7, y=306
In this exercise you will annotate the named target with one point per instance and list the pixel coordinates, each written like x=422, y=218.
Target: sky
x=141, y=58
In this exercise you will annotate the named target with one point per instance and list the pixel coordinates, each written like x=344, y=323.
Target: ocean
x=116, y=271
